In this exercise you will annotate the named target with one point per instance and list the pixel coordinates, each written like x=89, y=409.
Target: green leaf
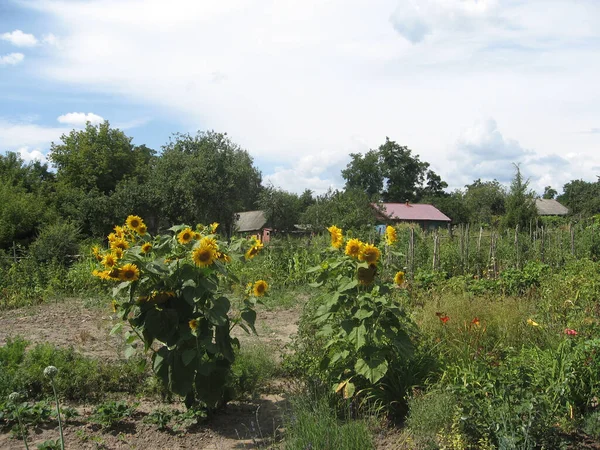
x=249, y=316
x=373, y=368
x=363, y=313
x=188, y=356
x=348, y=286
x=129, y=351
x=116, y=329
x=218, y=313
x=358, y=336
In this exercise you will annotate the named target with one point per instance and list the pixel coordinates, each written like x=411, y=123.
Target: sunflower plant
x=170, y=289
x=366, y=332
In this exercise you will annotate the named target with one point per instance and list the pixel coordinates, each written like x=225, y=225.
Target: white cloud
x=28, y=155
x=288, y=80
x=15, y=135
x=51, y=39
x=79, y=119
x=11, y=59
x=19, y=39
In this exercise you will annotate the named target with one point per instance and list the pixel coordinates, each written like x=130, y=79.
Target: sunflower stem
x=62, y=438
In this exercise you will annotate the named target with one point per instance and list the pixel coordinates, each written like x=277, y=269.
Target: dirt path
x=86, y=327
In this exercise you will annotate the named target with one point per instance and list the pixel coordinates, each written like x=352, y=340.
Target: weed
x=50, y=445
x=111, y=413
x=254, y=366
x=160, y=417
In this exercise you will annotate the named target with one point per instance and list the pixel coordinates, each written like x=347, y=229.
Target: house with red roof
x=427, y=216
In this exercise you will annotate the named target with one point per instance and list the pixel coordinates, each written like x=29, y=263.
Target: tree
x=484, y=201
x=452, y=205
x=520, y=203
x=549, y=193
x=282, y=209
x=203, y=179
x=581, y=197
x=393, y=174
x=98, y=157
x=349, y=209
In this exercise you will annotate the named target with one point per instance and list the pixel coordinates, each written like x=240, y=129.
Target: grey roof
x=250, y=221
x=550, y=207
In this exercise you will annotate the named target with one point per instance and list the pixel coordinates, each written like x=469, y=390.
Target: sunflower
x=399, y=278
x=115, y=306
x=223, y=257
x=119, y=232
x=134, y=223
x=185, y=236
x=353, y=248
x=129, y=272
x=390, y=235
x=146, y=247
x=119, y=243
x=209, y=242
x=109, y=260
x=369, y=253
x=117, y=252
x=253, y=251
x=193, y=324
x=96, y=252
x=336, y=236
x=366, y=275
x=213, y=227
x=197, y=236
x=204, y=255
x=260, y=288
x=142, y=229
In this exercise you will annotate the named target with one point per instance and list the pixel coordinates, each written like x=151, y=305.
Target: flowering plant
x=170, y=290
x=366, y=331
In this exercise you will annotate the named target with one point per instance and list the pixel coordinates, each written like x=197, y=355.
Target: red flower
x=475, y=321
x=570, y=332
x=444, y=318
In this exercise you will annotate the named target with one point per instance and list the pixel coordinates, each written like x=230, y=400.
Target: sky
x=471, y=86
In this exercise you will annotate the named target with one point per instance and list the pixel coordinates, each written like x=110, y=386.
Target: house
x=427, y=216
x=550, y=207
x=253, y=223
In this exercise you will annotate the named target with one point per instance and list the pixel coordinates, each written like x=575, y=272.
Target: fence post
x=14, y=252
x=517, y=244
x=542, y=240
x=572, y=229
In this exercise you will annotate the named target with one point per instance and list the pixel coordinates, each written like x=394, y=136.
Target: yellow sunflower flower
x=185, y=236
x=260, y=288
x=119, y=243
x=134, y=223
x=369, y=253
x=390, y=235
x=97, y=252
x=204, y=255
x=337, y=238
x=119, y=232
x=253, y=251
x=193, y=324
x=146, y=247
x=399, y=278
x=353, y=248
x=117, y=252
x=142, y=229
x=109, y=260
x=129, y=272
x=210, y=242
x=213, y=227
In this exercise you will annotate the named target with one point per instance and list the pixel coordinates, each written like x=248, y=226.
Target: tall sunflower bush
x=169, y=288
x=366, y=332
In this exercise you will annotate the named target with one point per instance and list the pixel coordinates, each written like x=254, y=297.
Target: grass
x=312, y=424
x=253, y=368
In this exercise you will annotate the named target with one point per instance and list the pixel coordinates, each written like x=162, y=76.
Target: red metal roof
x=411, y=212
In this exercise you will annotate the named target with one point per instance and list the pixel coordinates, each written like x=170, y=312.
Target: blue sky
x=471, y=86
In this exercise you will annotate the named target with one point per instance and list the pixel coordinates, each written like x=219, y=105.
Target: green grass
x=313, y=424
x=253, y=368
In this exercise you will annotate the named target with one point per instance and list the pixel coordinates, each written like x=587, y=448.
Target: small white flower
x=14, y=397
x=50, y=371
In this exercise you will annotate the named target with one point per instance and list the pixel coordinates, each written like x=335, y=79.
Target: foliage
x=581, y=197
x=365, y=332
x=253, y=368
x=111, y=413
x=350, y=209
x=49, y=445
x=485, y=200
x=160, y=417
x=311, y=423
x=391, y=173
x=520, y=204
x=171, y=293
x=283, y=209
x=57, y=243
x=79, y=377
x=215, y=179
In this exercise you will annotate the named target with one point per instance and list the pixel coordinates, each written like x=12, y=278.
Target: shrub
x=56, y=243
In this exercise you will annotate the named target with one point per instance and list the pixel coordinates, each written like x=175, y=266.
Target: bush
x=56, y=243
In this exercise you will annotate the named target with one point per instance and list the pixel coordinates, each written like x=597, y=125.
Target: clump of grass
x=79, y=377
x=254, y=366
x=313, y=424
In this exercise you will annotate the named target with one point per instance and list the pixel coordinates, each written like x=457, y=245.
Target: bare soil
x=86, y=327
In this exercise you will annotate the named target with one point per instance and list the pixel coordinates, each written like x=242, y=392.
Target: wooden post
x=542, y=240
x=517, y=244
x=572, y=229
x=14, y=252
x=411, y=251
x=467, y=239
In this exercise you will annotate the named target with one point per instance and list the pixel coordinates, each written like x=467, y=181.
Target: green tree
x=549, y=193
x=484, y=201
x=581, y=197
x=282, y=209
x=98, y=157
x=452, y=205
x=520, y=203
x=204, y=178
x=393, y=174
x=349, y=209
